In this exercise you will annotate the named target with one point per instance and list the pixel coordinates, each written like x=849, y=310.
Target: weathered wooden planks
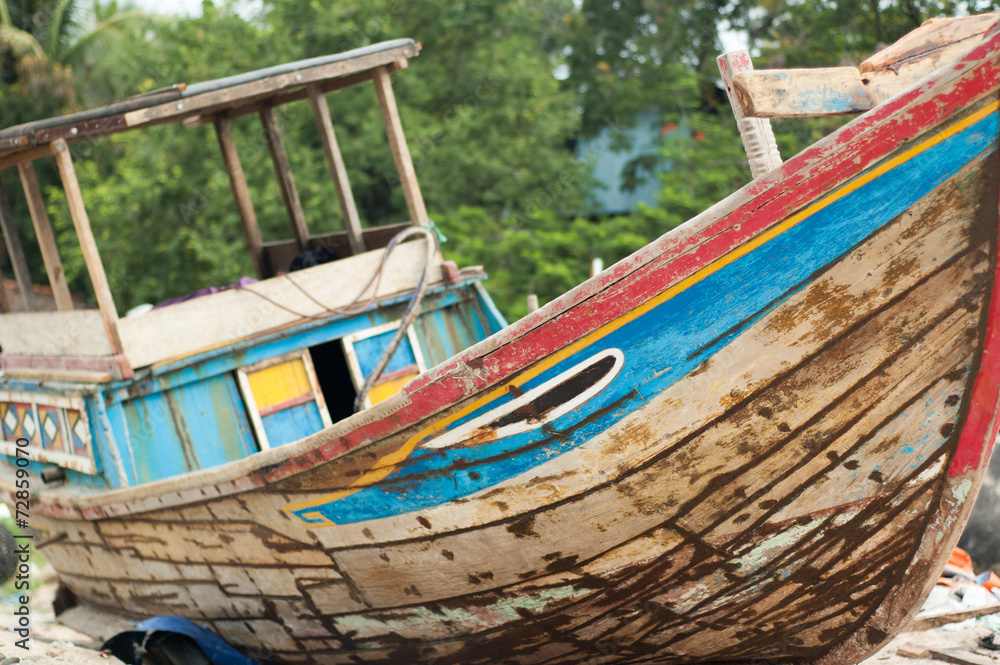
x=88, y=245
x=400, y=151
x=348, y=209
x=245, y=94
x=241, y=194
x=283, y=171
x=804, y=93
x=46, y=239
x=76, y=333
x=16, y=253
x=710, y=390
x=758, y=138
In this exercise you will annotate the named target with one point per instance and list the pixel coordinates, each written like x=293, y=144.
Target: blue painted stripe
x=671, y=340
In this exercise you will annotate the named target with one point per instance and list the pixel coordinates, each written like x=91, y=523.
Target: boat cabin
x=106, y=400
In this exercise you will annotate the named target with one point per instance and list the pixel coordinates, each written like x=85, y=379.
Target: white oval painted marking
x=477, y=430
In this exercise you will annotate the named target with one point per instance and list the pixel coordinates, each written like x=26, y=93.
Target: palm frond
x=58, y=23
x=109, y=25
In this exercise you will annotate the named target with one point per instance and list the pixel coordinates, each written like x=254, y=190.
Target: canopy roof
x=232, y=95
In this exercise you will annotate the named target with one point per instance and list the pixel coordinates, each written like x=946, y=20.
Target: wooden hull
x=754, y=439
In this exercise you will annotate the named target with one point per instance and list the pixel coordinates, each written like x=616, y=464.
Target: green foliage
x=707, y=164
x=159, y=223
x=817, y=33
x=546, y=255
x=486, y=120
x=47, y=67
x=487, y=125
x=490, y=110
x=628, y=56
x=42, y=40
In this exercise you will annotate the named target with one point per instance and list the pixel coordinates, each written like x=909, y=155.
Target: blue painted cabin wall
x=195, y=426
x=446, y=331
x=250, y=351
x=491, y=320
x=190, y=414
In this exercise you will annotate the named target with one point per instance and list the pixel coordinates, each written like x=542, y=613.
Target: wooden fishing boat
x=758, y=438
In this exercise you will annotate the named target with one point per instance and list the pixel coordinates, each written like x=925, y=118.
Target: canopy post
x=400, y=152
x=16, y=253
x=758, y=139
x=285, y=180
x=46, y=239
x=348, y=209
x=88, y=245
x=241, y=193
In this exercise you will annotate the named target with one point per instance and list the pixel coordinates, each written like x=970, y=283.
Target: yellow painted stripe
x=386, y=464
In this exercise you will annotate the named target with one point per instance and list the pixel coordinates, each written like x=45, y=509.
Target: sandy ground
x=49, y=643
x=965, y=638
x=63, y=652
x=50, y=653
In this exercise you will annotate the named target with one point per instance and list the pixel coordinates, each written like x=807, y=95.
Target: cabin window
x=56, y=427
x=334, y=378
x=364, y=350
x=283, y=398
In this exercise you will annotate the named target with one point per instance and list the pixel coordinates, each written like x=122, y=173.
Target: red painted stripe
x=800, y=181
x=980, y=428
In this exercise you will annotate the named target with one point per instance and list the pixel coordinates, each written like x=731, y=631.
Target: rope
x=412, y=309
x=431, y=235
x=352, y=307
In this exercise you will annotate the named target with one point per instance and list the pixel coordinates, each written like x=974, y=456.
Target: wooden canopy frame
x=215, y=103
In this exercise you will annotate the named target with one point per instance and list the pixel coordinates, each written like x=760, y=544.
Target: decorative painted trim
x=479, y=426
x=65, y=408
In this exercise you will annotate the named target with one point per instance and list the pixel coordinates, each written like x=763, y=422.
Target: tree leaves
x=490, y=108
